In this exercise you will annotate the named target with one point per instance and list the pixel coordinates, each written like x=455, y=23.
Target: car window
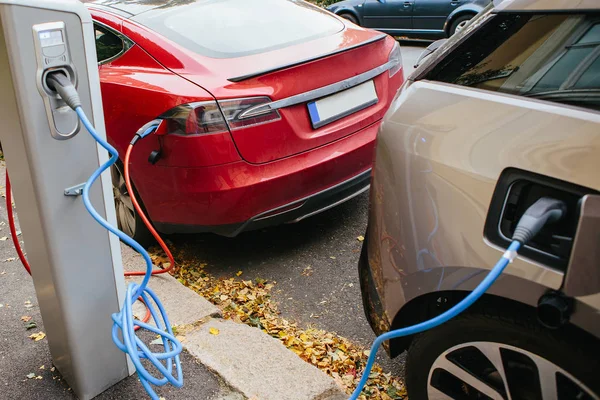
x=108, y=44
x=235, y=28
x=555, y=57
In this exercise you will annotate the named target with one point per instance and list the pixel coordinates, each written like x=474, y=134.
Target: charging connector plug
x=544, y=211
x=62, y=84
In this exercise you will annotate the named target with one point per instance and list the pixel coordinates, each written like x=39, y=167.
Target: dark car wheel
x=128, y=219
x=459, y=23
x=487, y=357
x=350, y=18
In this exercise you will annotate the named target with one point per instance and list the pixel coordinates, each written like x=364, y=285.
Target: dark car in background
x=426, y=19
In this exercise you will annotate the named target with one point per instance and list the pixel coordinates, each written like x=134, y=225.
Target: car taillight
x=395, y=60
x=207, y=117
x=193, y=119
x=241, y=113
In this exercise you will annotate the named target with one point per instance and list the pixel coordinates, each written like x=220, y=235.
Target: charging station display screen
x=51, y=38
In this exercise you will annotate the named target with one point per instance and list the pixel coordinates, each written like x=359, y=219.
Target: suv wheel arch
x=430, y=305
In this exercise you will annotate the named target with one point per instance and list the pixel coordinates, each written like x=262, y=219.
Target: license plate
x=342, y=104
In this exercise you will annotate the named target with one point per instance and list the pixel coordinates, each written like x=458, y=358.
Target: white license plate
x=342, y=104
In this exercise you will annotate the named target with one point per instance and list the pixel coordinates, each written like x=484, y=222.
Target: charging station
x=76, y=264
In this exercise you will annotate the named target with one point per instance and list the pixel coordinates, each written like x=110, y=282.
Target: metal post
x=76, y=266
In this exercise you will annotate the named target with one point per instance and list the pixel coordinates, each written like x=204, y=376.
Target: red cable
x=140, y=212
x=11, y=224
x=13, y=233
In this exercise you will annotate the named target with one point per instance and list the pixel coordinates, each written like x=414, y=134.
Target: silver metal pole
x=76, y=265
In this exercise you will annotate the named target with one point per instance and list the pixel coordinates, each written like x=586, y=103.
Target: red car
x=270, y=109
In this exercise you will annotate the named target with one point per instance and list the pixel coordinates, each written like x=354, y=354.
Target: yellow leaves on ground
x=360, y=238
x=250, y=302
x=25, y=318
x=38, y=336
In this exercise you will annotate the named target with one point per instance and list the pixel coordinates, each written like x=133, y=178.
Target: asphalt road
x=314, y=262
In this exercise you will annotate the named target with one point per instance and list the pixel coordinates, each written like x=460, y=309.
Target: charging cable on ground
x=542, y=212
x=124, y=320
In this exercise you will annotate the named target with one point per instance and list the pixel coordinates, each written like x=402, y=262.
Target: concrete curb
x=248, y=360
x=257, y=365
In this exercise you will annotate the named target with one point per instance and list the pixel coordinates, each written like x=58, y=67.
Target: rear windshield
x=235, y=28
x=555, y=57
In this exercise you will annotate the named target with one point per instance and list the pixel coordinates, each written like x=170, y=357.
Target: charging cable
x=124, y=321
x=545, y=210
x=13, y=229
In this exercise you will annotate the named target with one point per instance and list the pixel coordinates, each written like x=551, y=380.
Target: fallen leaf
x=157, y=341
x=351, y=284
x=360, y=238
x=43, y=367
x=39, y=377
x=249, y=302
x=31, y=375
x=308, y=271
x=3, y=238
x=52, y=369
x=9, y=259
x=38, y=336
x=31, y=325
x=239, y=273
x=25, y=318
x=332, y=257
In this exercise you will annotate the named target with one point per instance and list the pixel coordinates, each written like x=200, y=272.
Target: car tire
x=459, y=23
x=484, y=345
x=128, y=219
x=350, y=17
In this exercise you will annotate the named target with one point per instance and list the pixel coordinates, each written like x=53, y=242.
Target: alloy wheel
x=489, y=370
x=123, y=204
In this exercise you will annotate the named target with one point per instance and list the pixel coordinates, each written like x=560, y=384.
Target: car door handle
x=407, y=4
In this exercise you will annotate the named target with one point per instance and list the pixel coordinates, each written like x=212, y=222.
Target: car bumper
x=372, y=304
x=288, y=213
x=231, y=198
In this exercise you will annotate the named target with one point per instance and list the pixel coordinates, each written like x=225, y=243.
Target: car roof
x=130, y=8
x=546, y=5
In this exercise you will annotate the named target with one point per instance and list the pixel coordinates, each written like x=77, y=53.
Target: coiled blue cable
x=124, y=321
x=440, y=319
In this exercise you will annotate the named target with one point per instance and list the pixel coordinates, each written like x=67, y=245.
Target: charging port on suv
x=515, y=192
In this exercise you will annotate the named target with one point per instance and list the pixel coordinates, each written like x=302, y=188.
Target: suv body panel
x=435, y=172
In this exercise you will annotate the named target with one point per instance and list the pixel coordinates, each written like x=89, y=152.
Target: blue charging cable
x=124, y=321
x=545, y=210
x=461, y=306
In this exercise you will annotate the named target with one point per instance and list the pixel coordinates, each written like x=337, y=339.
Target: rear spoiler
x=284, y=66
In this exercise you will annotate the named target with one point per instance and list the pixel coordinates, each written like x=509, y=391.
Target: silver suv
x=502, y=114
